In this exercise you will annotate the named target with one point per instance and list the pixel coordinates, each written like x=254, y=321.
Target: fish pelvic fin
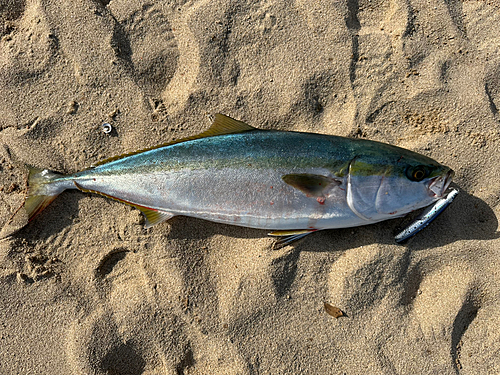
x=153, y=216
x=41, y=190
x=287, y=237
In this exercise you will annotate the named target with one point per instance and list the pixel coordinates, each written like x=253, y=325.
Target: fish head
x=391, y=181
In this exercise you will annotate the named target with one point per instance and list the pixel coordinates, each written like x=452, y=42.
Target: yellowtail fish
x=288, y=182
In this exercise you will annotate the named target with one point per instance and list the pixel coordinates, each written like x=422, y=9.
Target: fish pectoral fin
x=312, y=185
x=289, y=236
x=153, y=216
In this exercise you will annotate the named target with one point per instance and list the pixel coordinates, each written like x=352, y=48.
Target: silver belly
x=256, y=198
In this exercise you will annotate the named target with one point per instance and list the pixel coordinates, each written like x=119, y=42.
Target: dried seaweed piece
x=333, y=310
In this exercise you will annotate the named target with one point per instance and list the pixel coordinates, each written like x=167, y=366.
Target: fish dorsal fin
x=221, y=125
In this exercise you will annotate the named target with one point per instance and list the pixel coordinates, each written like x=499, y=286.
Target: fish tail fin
x=41, y=190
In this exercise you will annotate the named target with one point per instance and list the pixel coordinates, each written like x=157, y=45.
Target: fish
x=426, y=217
x=289, y=183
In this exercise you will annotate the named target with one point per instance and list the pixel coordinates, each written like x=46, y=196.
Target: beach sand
x=84, y=289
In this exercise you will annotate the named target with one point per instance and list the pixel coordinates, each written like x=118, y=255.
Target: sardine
x=288, y=182
x=426, y=217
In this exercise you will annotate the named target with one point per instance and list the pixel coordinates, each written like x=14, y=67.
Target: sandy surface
x=84, y=289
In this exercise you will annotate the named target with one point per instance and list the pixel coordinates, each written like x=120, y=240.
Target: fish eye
x=417, y=173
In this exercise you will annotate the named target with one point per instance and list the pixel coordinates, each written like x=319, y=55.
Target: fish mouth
x=439, y=184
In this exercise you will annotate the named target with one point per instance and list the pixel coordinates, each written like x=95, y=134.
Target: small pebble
x=72, y=107
x=114, y=113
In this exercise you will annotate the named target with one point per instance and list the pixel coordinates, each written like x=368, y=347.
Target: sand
x=84, y=289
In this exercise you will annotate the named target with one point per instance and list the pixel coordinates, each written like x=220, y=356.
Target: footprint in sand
x=434, y=308
x=492, y=90
x=126, y=331
x=10, y=12
x=140, y=321
x=158, y=45
x=27, y=44
x=144, y=38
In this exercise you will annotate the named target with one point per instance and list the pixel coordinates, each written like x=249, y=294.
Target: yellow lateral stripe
x=281, y=233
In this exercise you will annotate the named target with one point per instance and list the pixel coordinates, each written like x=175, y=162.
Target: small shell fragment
x=333, y=310
x=107, y=128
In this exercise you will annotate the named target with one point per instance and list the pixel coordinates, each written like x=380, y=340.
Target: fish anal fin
x=289, y=236
x=312, y=185
x=221, y=125
x=153, y=216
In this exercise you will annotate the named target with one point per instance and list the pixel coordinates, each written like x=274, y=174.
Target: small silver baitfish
x=426, y=217
x=288, y=182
